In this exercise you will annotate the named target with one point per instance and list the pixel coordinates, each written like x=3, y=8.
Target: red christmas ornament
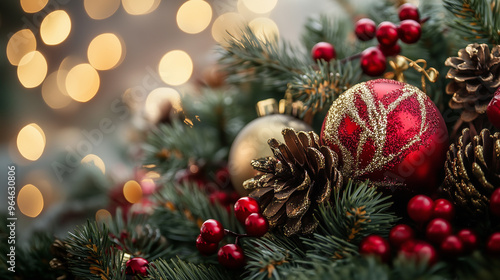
x=452, y=247
x=390, y=50
x=409, y=31
x=256, y=225
x=387, y=33
x=493, y=244
x=493, y=109
x=419, y=250
x=206, y=248
x=365, y=29
x=390, y=133
x=136, y=266
x=495, y=202
x=469, y=240
x=408, y=11
x=373, y=62
x=244, y=207
x=375, y=245
x=444, y=209
x=323, y=50
x=231, y=256
x=420, y=208
x=400, y=234
x=212, y=231
x=437, y=230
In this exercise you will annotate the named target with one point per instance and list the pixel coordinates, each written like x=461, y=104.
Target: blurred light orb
x=260, y=6
x=55, y=27
x=30, y=201
x=21, y=43
x=101, y=9
x=227, y=25
x=32, y=69
x=194, y=16
x=52, y=94
x=132, y=191
x=140, y=7
x=94, y=160
x=264, y=28
x=31, y=141
x=102, y=215
x=175, y=67
x=82, y=82
x=105, y=51
x=33, y=6
x=159, y=97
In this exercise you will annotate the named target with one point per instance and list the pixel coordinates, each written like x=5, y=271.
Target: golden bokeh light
x=32, y=69
x=140, y=7
x=260, y=6
x=96, y=161
x=31, y=142
x=101, y=9
x=33, y=6
x=175, y=67
x=227, y=25
x=194, y=16
x=82, y=82
x=30, y=201
x=55, y=27
x=21, y=43
x=132, y=191
x=264, y=28
x=102, y=215
x=52, y=94
x=105, y=51
x=158, y=98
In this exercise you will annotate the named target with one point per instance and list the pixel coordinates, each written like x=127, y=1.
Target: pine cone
x=292, y=184
x=473, y=171
x=476, y=76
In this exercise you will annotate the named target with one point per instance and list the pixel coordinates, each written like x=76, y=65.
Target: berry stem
x=422, y=21
x=237, y=235
x=349, y=58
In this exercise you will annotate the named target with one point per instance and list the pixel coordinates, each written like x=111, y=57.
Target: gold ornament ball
x=251, y=143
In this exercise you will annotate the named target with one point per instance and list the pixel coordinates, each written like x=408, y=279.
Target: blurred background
x=81, y=79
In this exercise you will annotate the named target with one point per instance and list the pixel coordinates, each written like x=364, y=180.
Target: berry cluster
x=247, y=211
x=493, y=109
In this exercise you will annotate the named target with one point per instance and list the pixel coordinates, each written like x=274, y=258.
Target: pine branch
x=478, y=21
x=91, y=255
x=181, y=270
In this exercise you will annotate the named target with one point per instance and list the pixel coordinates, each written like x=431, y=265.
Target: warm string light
x=55, y=27
x=31, y=142
x=194, y=16
x=132, y=191
x=94, y=160
x=158, y=98
x=175, y=67
x=101, y=9
x=105, y=51
x=30, y=201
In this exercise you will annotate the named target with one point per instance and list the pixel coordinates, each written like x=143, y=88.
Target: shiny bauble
x=390, y=133
x=251, y=143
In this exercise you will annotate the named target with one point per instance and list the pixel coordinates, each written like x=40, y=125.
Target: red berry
x=375, y=245
x=231, y=256
x=390, y=50
x=212, y=231
x=365, y=29
x=136, y=266
x=323, y=50
x=420, y=208
x=408, y=11
x=444, y=209
x=387, y=33
x=493, y=245
x=400, y=234
x=469, y=240
x=409, y=31
x=495, y=202
x=244, y=207
x=206, y=248
x=452, y=246
x=437, y=230
x=256, y=225
x=373, y=62
x=421, y=251
x=219, y=197
x=493, y=110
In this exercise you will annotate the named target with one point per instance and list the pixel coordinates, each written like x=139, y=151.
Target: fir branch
x=408, y=269
x=478, y=21
x=181, y=270
x=91, y=256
